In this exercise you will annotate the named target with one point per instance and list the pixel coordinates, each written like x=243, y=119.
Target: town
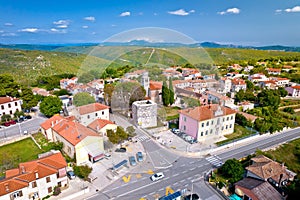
x=110, y=138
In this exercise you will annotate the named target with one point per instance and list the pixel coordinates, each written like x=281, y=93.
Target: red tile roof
x=202, y=113
x=99, y=124
x=273, y=70
x=51, y=122
x=297, y=87
x=7, y=99
x=19, y=178
x=155, y=85
x=73, y=132
x=90, y=108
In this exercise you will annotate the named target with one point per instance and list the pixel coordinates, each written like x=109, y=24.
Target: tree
x=112, y=136
x=28, y=98
x=50, y=106
x=241, y=120
x=165, y=94
x=233, y=170
x=108, y=92
x=5, y=118
x=269, y=98
x=171, y=92
x=282, y=92
x=61, y=92
x=83, y=98
x=8, y=87
x=82, y=171
x=250, y=85
x=131, y=131
x=121, y=133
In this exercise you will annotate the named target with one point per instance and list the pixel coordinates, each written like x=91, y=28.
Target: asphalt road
x=183, y=173
x=30, y=125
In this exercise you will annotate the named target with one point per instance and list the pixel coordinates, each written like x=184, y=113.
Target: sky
x=240, y=22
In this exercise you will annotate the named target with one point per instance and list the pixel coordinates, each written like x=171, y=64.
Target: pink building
x=204, y=122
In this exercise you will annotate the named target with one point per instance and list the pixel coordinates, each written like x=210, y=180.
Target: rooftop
x=90, y=108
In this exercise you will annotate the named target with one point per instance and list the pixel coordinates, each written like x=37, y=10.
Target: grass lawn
x=21, y=151
x=289, y=154
x=171, y=112
x=239, y=132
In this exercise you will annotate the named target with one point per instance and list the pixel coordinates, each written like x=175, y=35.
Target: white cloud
x=90, y=18
x=294, y=9
x=62, y=23
x=124, y=14
x=62, y=26
x=8, y=24
x=181, y=12
x=230, y=11
x=85, y=26
x=29, y=30
x=54, y=30
x=1, y=31
x=8, y=34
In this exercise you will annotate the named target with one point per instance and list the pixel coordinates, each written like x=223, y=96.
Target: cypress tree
x=165, y=94
x=171, y=91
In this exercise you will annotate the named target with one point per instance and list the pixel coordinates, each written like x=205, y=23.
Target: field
x=239, y=132
x=21, y=151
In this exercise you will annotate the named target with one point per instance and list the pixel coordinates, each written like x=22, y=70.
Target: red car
x=9, y=123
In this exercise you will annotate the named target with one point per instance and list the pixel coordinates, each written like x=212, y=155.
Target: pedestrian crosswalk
x=142, y=138
x=215, y=160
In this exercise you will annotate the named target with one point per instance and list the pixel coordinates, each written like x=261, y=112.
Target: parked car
x=191, y=197
x=132, y=161
x=25, y=132
x=71, y=175
x=107, y=155
x=157, y=176
x=122, y=149
x=139, y=156
x=27, y=117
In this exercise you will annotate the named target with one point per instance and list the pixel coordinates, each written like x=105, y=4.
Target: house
x=287, y=68
x=9, y=105
x=144, y=113
x=257, y=77
x=204, y=122
x=88, y=113
x=135, y=74
x=248, y=116
x=102, y=125
x=293, y=91
x=246, y=105
x=172, y=72
x=238, y=84
x=35, y=179
x=265, y=169
x=79, y=142
x=66, y=82
x=97, y=84
x=48, y=124
x=249, y=188
x=40, y=91
x=273, y=71
x=215, y=97
x=155, y=91
x=271, y=84
x=226, y=84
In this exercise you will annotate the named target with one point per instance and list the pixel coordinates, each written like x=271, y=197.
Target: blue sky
x=245, y=22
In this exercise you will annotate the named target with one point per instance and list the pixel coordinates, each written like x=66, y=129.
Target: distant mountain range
x=53, y=47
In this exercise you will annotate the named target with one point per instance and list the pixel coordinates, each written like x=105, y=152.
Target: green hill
x=27, y=65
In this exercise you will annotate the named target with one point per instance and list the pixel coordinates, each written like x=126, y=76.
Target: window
x=206, y=132
x=96, y=114
x=211, y=131
x=226, y=126
x=184, y=119
x=2, y=107
x=230, y=125
x=33, y=184
x=184, y=127
x=49, y=189
x=202, y=124
x=212, y=122
x=69, y=149
x=59, y=184
x=231, y=117
x=88, y=116
x=9, y=105
x=223, y=119
x=16, y=104
x=102, y=112
x=17, y=194
x=227, y=118
x=222, y=128
x=207, y=123
x=10, y=112
x=48, y=179
x=201, y=133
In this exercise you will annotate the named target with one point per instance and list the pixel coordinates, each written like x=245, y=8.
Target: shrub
x=82, y=171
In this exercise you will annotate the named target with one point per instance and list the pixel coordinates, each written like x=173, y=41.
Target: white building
x=88, y=113
x=35, y=179
x=9, y=105
x=144, y=113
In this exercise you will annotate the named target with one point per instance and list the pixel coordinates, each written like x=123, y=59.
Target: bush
x=82, y=171
x=56, y=191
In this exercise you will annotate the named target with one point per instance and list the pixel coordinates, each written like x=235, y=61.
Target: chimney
x=6, y=187
x=22, y=169
x=36, y=174
x=52, y=123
